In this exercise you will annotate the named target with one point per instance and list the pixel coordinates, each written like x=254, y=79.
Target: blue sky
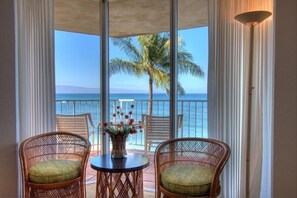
x=77, y=63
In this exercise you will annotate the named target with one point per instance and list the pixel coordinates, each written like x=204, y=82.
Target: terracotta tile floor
x=148, y=173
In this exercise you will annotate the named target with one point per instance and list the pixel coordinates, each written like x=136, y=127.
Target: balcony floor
x=148, y=173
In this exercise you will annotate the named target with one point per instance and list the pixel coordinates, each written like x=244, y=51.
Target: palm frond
x=160, y=77
x=186, y=65
x=128, y=47
x=180, y=89
x=117, y=65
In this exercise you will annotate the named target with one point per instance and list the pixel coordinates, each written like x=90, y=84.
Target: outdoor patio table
x=120, y=177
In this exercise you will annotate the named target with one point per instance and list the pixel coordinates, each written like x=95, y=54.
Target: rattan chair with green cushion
x=54, y=164
x=190, y=167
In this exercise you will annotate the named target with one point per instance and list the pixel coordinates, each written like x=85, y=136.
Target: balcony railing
x=194, y=115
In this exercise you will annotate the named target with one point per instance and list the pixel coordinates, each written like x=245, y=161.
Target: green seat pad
x=188, y=180
x=54, y=171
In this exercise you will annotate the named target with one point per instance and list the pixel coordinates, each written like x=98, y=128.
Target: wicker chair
x=156, y=129
x=190, y=167
x=53, y=165
x=78, y=124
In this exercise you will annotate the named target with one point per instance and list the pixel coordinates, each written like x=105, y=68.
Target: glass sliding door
x=139, y=64
x=139, y=61
x=192, y=67
x=77, y=60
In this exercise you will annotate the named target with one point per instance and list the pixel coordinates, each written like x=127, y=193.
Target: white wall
x=285, y=100
x=8, y=152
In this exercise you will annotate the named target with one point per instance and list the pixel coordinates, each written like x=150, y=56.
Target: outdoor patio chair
x=190, y=167
x=78, y=124
x=53, y=165
x=156, y=129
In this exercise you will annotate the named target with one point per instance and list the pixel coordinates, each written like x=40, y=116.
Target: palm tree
x=152, y=57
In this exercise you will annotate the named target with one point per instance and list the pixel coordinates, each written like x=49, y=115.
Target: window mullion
x=173, y=67
x=104, y=71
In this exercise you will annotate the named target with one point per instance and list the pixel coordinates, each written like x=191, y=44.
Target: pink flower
x=130, y=112
x=105, y=124
x=104, y=133
x=126, y=116
x=131, y=120
x=114, y=115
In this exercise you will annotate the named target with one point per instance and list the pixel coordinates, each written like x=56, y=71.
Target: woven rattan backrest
x=199, y=151
x=157, y=127
x=195, y=152
x=77, y=124
x=53, y=146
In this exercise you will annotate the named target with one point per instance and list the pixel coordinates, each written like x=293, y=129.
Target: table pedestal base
x=119, y=185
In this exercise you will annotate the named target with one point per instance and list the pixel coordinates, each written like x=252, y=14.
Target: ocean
x=192, y=106
x=136, y=96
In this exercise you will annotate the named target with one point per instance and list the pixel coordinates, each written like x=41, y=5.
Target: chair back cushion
x=54, y=171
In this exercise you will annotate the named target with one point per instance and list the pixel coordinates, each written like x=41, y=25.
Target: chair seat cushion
x=54, y=171
x=188, y=180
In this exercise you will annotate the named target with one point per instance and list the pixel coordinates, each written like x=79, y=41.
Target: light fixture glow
x=253, y=17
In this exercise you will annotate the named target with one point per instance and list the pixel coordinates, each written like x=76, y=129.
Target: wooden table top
x=132, y=162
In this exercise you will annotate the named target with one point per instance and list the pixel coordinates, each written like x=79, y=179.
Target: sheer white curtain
x=35, y=70
x=227, y=94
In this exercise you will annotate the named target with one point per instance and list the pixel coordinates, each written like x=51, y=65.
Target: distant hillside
x=75, y=89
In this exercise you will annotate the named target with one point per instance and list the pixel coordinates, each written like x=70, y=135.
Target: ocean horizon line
x=123, y=93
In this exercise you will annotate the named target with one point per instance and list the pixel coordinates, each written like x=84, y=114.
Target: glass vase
x=118, y=142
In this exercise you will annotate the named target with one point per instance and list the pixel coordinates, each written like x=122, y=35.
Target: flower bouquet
x=118, y=131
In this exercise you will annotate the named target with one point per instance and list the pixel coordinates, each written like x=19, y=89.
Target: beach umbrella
x=128, y=17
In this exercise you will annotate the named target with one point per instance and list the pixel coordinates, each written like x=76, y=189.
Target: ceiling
x=128, y=17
